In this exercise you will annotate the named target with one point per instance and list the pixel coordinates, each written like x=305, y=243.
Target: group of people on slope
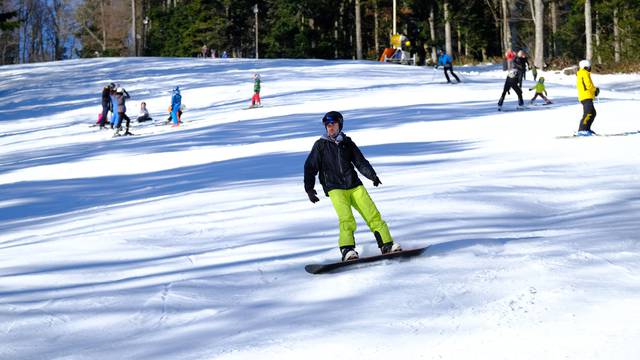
x=587, y=91
x=517, y=65
x=113, y=100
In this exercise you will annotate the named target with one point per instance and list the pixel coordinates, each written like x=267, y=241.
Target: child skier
x=587, y=91
x=511, y=83
x=333, y=156
x=540, y=91
x=255, y=99
x=176, y=102
x=446, y=61
x=114, y=106
x=143, y=115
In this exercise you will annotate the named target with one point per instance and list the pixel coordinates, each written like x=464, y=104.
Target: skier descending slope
x=333, y=156
x=511, y=83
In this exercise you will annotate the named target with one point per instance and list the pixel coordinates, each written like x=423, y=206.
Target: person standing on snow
x=540, y=91
x=255, y=99
x=445, y=60
x=587, y=91
x=106, y=105
x=511, y=83
x=121, y=96
x=521, y=63
x=176, y=102
x=114, y=106
x=333, y=158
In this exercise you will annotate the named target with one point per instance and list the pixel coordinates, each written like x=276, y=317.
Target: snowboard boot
x=389, y=248
x=348, y=253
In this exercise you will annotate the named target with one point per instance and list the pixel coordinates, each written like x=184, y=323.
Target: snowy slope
x=190, y=243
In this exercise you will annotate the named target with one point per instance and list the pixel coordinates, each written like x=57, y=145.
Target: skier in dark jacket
x=511, y=83
x=333, y=158
x=106, y=104
x=521, y=63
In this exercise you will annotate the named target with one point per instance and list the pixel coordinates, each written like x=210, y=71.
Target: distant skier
x=511, y=82
x=106, y=105
x=121, y=96
x=114, y=106
x=509, y=56
x=587, y=91
x=176, y=102
x=333, y=156
x=445, y=60
x=255, y=99
x=143, y=115
x=521, y=63
x=540, y=91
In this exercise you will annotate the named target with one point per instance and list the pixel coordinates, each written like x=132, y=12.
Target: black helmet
x=333, y=116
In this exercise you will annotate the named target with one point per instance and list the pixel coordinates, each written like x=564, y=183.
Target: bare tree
x=587, y=29
x=554, y=26
x=358, y=31
x=616, y=36
x=432, y=34
x=506, y=29
x=447, y=27
x=538, y=19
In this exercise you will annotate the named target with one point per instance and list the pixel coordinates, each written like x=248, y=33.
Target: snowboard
x=328, y=267
x=253, y=107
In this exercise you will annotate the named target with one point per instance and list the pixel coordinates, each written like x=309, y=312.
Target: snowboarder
x=176, y=102
x=587, y=91
x=333, y=156
x=540, y=91
x=121, y=96
x=445, y=60
x=143, y=115
x=511, y=83
x=255, y=99
x=521, y=63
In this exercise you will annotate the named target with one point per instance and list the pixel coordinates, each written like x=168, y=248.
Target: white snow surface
x=190, y=242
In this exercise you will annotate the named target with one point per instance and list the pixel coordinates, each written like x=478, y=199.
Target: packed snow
x=190, y=242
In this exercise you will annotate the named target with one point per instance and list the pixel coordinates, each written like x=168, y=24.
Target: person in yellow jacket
x=587, y=91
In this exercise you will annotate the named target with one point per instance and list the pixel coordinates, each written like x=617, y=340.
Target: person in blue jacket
x=176, y=102
x=445, y=60
x=114, y=106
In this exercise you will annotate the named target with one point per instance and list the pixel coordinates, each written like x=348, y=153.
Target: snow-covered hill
x=190, y=242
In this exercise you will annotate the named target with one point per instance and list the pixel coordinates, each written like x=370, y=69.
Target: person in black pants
x=446, y=61
x=521, y=63
x=106, y=104
x=511, y=83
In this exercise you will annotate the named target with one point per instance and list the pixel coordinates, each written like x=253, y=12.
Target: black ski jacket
x=335, y=164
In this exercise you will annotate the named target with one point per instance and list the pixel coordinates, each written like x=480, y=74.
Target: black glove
x=597, y=91
x=436, y=67
x=376, y=181
x=312, y=196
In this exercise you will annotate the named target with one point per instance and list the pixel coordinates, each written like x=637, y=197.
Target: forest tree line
x=553, y=32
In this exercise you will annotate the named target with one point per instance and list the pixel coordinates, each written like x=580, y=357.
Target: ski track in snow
x=190, y=242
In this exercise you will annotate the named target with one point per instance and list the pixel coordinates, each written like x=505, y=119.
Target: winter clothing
x=586, y=88
x=521, y=63
x=121, y=96
x=540, y=91
x=255, y=99
x=106, y=105
x=335, y=161
x=587, y=91
x=114, y=108
x=143, y=115
x=511, y=83
x=446, y=61
x=176, y=102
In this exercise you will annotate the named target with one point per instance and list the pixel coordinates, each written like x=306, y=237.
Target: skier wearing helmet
x=176, y=102
x=334, y=158
x=540, y=91
x=587, y=91
x=121, y=96
x=511, y=83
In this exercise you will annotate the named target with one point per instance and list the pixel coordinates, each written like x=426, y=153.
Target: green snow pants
x=358, y=197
